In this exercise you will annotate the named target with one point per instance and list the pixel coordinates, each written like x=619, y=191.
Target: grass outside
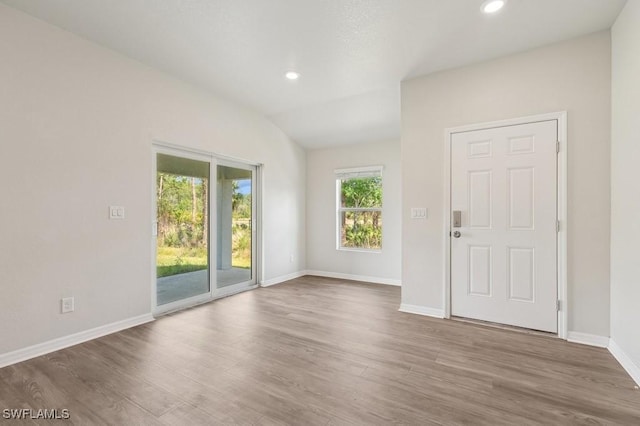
x=168, y=270
x=241, y=262
x=178, y=260
x=241, y=245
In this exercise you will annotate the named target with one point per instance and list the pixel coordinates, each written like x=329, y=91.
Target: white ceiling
x=352, y=54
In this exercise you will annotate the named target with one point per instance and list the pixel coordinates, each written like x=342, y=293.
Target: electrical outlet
x=291, y=258
x=67, y=305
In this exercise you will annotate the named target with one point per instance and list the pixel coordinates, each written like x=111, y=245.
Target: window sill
x=360, y=250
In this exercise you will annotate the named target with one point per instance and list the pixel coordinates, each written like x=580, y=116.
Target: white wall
x=321, y=211
x=572, y=76
x=76, y=126
x=625, y=176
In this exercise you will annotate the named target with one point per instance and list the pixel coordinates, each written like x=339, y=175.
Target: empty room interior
x=309, y=212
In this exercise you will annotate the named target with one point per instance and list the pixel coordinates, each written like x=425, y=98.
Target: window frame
x=357, y=173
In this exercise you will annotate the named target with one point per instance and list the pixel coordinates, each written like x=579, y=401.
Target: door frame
x=159, y=146
x=561, y=236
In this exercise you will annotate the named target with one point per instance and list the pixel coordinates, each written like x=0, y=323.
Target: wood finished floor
x=318, y=351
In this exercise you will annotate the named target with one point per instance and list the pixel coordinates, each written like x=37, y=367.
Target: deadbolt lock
x=457, y=219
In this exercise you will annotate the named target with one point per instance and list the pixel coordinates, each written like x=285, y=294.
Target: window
x=359, y=208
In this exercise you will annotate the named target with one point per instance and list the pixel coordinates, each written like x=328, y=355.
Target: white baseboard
x=71, y=340
x=422, y=310
x=282, y=278
x=588, y=339
x=625, y=361
x=363, y=278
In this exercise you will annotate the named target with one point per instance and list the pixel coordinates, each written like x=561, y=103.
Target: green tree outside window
x=360, y=213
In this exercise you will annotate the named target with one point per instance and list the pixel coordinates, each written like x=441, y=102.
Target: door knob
x=456, y=234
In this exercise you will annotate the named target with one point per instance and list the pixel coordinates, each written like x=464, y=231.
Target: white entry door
x=503, y=248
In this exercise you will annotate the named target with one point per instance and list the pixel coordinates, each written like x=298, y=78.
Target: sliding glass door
x=182, y=244
x=235, y=209
x=205, y=228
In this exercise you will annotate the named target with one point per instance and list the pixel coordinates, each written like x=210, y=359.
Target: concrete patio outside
x=182, y=286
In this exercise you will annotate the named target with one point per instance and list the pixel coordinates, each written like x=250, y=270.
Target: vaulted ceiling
x=351, y=54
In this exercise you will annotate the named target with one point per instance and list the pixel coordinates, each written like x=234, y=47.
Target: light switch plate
x=418, y=213
x=116, y=212
x=68, y=305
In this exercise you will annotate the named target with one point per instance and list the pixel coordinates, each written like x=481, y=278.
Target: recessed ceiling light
x=492, y=6
x=292, y=75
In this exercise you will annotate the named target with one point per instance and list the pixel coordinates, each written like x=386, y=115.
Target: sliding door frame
x=253, y=280
x=214, y=159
